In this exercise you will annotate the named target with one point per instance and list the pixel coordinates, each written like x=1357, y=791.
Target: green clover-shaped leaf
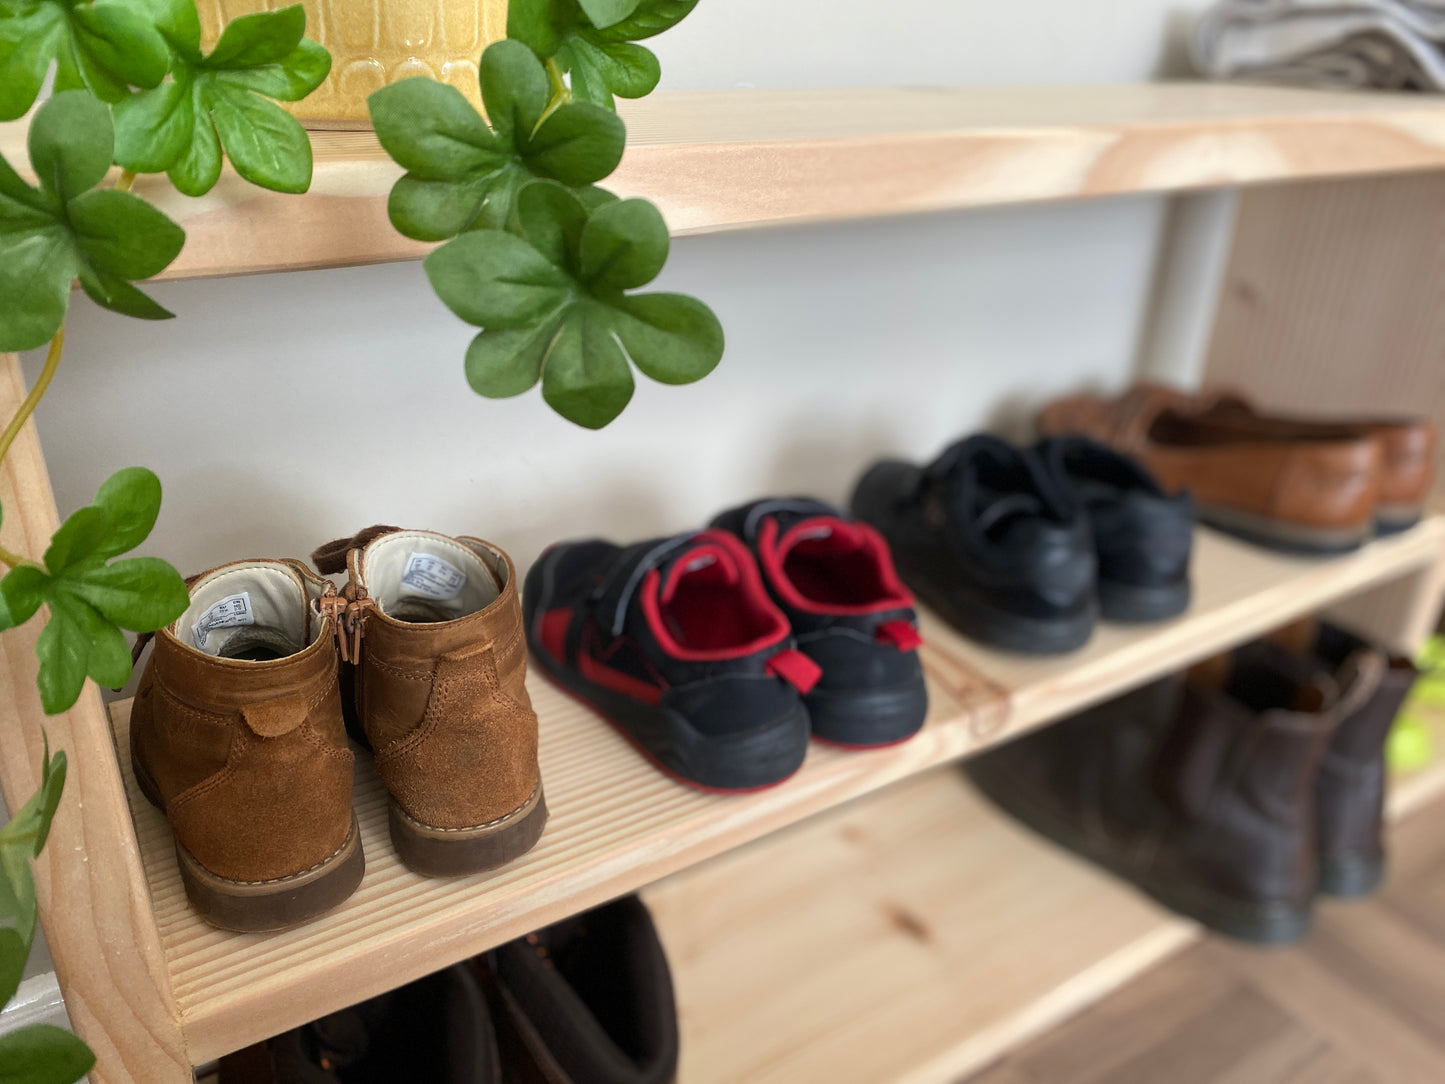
x=593, y=41
x=105, y=47
x=20, y=841
x=220, y=102
x=68, y=229
x=552, y=304
x=464, y=174
x=91, y=597
x=43, y=1054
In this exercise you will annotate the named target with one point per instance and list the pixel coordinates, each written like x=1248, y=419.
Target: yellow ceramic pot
x=375, y=42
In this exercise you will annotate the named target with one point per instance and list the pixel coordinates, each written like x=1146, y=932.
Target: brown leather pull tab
x=330, y=559
x=273, y=718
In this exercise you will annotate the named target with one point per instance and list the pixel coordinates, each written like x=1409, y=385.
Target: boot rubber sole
x=456, y=852
x=266, y=906
x=1273, y=922
x=1349, y=876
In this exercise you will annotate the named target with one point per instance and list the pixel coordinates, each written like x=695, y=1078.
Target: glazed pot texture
x=376, y=42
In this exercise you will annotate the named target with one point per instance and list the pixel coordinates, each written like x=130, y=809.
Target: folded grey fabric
x=1394, y=44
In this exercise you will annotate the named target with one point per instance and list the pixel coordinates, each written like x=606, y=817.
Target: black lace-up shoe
x=677, y=644
x=1142, y=536
x=990, y=542
x=834, y=579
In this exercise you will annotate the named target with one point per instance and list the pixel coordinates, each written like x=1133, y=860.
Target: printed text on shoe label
x=432, y=577
x=231, y=611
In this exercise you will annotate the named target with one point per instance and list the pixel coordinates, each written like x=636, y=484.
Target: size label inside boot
x=432, y=577
x=231, y=611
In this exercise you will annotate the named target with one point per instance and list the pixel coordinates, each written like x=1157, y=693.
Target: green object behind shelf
x=1411, y=746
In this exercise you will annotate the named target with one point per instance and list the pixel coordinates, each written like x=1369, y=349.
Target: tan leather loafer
x=1316, y=493
x=236, y=733
x=1407, y=451
x=432, y=630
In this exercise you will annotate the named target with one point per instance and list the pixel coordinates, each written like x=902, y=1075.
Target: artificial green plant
x=133, y=89
x=535, y=254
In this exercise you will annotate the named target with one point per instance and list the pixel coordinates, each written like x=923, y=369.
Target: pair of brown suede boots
x=239, y=727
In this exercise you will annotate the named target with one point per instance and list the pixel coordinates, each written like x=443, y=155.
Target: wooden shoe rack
x=914, y=914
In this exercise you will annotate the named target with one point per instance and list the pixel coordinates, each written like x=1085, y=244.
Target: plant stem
x=27, y=408
x=127, y=178
x=561, y=92
x=559, y=85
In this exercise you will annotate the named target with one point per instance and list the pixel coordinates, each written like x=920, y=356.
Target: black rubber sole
x=1348, y=877
x=762, y=756
x=1011, y=632
x=1261, y=923
x=872, y=717
x=1129, y=603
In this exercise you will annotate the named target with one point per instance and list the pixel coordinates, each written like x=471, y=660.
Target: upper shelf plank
x=618, y=824
x=721, y=160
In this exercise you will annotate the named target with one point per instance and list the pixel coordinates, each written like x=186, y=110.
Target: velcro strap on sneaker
x=799, y=671
x=901, y=634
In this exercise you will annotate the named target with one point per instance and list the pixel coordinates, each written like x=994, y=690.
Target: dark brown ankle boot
x=1350, y=791
x=1199, y=791
x=236, y=733
x=433, y=630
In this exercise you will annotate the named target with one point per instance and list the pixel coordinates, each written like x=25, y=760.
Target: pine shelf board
x=617, y=824
x=1240, y=591
x=911, y=936
x=914, y=936
x=735, y=159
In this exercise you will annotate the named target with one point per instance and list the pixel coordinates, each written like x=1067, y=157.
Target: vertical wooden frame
x=94, y=905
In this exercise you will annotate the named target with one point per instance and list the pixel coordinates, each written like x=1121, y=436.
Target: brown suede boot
x=433, y=630
x=1199, y=791
x=236, y=733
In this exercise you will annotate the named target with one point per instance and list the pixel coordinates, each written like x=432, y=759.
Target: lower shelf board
x=915, y=935
x=617, y=824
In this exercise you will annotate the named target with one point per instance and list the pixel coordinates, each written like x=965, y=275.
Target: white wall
x=286, y=410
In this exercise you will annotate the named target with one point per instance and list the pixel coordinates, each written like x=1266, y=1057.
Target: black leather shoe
x=588, y=1001
x=990, y=542
x=1142, y=536
x=833, y=578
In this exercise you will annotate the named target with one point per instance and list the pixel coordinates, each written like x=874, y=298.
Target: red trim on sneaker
x=553, y=633
x=713, y=605
x=861, y=581
x=616, y=680
x=901, y=634
x=799, y=671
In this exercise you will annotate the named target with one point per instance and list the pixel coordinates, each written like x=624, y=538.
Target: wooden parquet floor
x=1360, y=1001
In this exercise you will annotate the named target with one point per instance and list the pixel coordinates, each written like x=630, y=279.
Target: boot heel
x=262, y=906
x=455, y=852
x=1348, y=876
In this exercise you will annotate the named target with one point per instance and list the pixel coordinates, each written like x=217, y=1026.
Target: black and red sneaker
x=677, y=644
x=833, y=578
